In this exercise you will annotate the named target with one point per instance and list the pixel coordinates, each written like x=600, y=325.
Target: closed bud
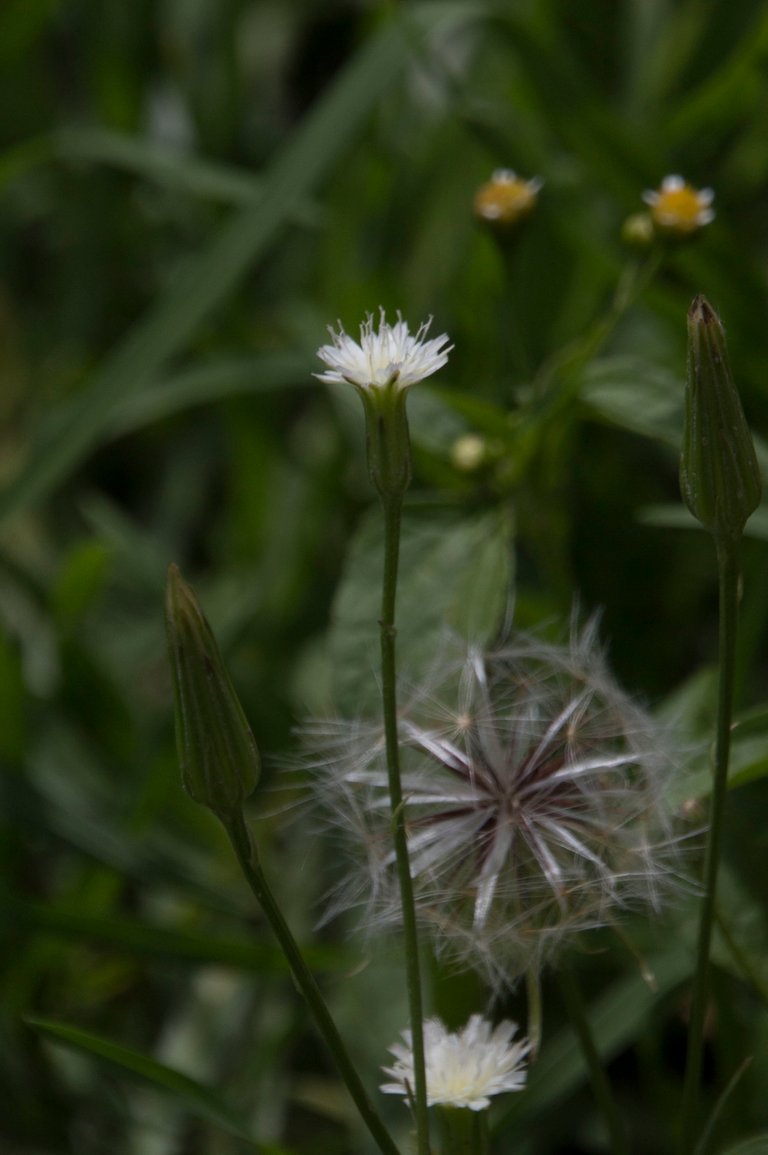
x=219, y=759
x=719, y=475
x=638, y=232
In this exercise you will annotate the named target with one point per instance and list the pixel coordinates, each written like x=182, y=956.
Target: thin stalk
x=728, y=572
x=465, y=1132
x=564, y=367
x=533, y=999
x=392, y=511
x=247, y=856
x=601, y=1088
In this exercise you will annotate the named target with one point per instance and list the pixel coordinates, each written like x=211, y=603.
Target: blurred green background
x=189, y=193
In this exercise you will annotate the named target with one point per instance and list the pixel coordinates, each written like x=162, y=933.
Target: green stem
x=465, y=1132
x=564, y=368
x=247, y=856
x=601, y=1088
x=533, y=998
x=392, y=507
x=728, y=571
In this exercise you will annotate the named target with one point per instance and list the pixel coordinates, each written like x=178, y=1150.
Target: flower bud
x=219, y=759
x=719, y=475
x=638, y=232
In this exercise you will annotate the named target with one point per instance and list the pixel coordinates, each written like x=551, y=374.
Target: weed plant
x=189, y=194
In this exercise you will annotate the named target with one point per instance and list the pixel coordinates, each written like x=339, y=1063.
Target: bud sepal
x=719, y=474
x=220, y=762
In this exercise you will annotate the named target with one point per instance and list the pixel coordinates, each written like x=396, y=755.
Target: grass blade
x=199, y=1100
x=208, y=278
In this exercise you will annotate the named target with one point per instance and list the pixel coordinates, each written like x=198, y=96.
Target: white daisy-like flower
x=463, y=1069
x=535, y=804
x=679, y=208
x=389, y=355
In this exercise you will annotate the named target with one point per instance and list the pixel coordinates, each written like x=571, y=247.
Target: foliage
x=189, y=194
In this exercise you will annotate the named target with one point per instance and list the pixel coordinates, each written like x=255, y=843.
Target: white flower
x=391, y=355
x=679, y=208
x=463, y=1069
x=535, y=804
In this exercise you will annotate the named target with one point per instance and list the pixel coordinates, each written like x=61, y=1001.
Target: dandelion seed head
x=535, y=804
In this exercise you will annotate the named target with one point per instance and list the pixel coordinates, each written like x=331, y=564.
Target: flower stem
x=601, y=1088
x=728, y=570
x=559, y=378
x=247, y=856
x=533, y=997
x=465, y=1132
x=392, y=507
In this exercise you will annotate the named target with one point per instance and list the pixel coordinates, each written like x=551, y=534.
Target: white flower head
x=463, y=1069
x=535, y=794
x=678, y=208
x=389, y=355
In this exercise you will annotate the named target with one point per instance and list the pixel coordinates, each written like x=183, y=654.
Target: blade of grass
x=152, y=941
x=180, y=171
x=616, y=1018
x=199, y=1100
x=206, y=280
x=211, y=382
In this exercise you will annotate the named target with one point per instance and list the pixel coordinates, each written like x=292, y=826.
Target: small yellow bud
x=506, y=200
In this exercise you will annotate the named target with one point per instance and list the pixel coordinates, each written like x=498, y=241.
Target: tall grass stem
x=728, y=577
x=247, y=856
x=392, y=508
x=601, y=1088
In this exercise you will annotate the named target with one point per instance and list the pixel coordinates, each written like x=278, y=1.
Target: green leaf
x=617, y=1018
x=208, y=278
x=757, y=1145
x=453, y=575
x=703, y=1145
x=197, y=1099
x=741, y=940
x=180, y=171
x=153, y=941
x=206, y=384
x=748, y=762
x=80, y=582
x=635, y=395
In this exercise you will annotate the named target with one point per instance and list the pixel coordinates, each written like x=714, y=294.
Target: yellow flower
x=506, y=199
x=678, y=209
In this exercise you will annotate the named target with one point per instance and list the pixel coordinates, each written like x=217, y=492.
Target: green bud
x=219, y=759
x=719, y=475
x=638, y=232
